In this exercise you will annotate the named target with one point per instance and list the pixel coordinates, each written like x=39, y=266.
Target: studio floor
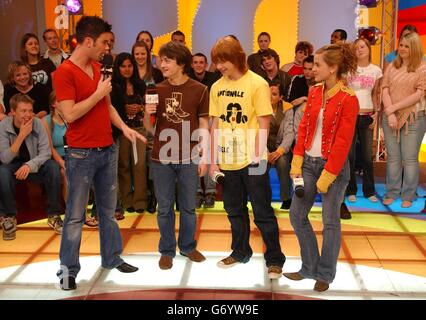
x=383, y=256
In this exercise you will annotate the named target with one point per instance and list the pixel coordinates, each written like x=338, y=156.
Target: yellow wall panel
x=280, y=19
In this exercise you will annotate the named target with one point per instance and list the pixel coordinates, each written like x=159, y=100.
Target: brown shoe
x=321, y=286
x=344, y=212
x=165, y=263
x=195, y=256
x=275, y=272
x=295, y=276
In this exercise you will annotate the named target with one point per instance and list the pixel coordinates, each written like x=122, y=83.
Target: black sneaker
x=344, y=212
x=209, y=200
x=68, y=284
x=130, y=209
x=126, y=268
x=286, y=204
x=199, y=199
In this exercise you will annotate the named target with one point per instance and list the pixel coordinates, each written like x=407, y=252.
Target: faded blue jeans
x=315, y=266
x=85, y=167
x=165, y=177
x=403, y=154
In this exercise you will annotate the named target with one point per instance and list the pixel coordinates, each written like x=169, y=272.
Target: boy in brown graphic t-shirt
x=182, y=109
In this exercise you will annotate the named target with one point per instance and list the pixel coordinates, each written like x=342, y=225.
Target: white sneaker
x=352, y=198
x=373, y=199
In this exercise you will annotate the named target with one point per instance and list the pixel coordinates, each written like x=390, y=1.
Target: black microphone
x=107, y=64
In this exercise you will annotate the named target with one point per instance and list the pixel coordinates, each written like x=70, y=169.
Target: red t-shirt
x=94, y=128
x=295, y=70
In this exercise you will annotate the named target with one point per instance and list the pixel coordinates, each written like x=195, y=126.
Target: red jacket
x=339, y=120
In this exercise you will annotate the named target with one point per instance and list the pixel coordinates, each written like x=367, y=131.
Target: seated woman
x=57, y=127
x=280, y=140
x=20, y=81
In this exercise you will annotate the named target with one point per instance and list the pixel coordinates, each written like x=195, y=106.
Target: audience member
x=25, y=155
x=365, y=83
x=127, y=96
x=255, y=59
x=57, y=128
x=338, y=36
x=20, y=81
x=178, y=36
x=151, y=76
x=280, y=142
x=41, y=68
x=53, y=52
x=303, y=50
x=147, y=37
x=404, y=85
x=391, y=57
x=146, y=71
x=2, y=107
x=199, y=73
x=270, y=63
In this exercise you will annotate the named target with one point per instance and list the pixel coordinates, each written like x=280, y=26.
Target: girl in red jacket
x=320, y=158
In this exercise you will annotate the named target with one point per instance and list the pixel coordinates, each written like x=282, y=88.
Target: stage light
x=371, y=34
x=74, y=6
x=368, y=3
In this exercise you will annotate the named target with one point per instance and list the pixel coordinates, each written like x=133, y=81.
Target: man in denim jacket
x=25, y=155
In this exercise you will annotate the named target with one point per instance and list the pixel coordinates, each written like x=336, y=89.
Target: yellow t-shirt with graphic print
x=237, y=104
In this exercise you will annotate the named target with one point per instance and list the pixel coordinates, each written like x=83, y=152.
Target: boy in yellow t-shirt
x=240, y=106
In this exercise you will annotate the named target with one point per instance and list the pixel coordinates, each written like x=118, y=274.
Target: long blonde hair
x=416, y=52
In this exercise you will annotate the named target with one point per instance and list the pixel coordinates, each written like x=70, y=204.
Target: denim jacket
x=37, y=143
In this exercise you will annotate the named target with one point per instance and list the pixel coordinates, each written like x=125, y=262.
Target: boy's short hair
x=229, y=49
x=19, y=98
x=271, y=53
x=179, y=52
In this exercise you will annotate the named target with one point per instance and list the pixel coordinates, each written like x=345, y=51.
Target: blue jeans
x=239, y=184
x=165, y=177
x=365, y=136
x=314, y=266
x=49, y=174
x=85, y=167
x=282, y=165
x=403, y=154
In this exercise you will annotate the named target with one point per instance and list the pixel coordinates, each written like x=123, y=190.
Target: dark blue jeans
x=165, y=177
x=239, y=184
x=48, y=174
x=85, y=167
x=365, y=136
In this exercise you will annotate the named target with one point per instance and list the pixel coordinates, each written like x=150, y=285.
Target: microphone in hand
x=107, y=64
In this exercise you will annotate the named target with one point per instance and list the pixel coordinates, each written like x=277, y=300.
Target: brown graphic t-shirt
x=177, y=118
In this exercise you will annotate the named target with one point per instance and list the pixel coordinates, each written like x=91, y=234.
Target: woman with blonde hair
x=404, y=85
x=365, y=82
x=320, y=157
x=20, y=81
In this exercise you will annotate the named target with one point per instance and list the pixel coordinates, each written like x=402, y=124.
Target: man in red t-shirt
x=84, y=102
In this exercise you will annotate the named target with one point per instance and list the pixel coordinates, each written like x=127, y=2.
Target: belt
x=93, y=149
